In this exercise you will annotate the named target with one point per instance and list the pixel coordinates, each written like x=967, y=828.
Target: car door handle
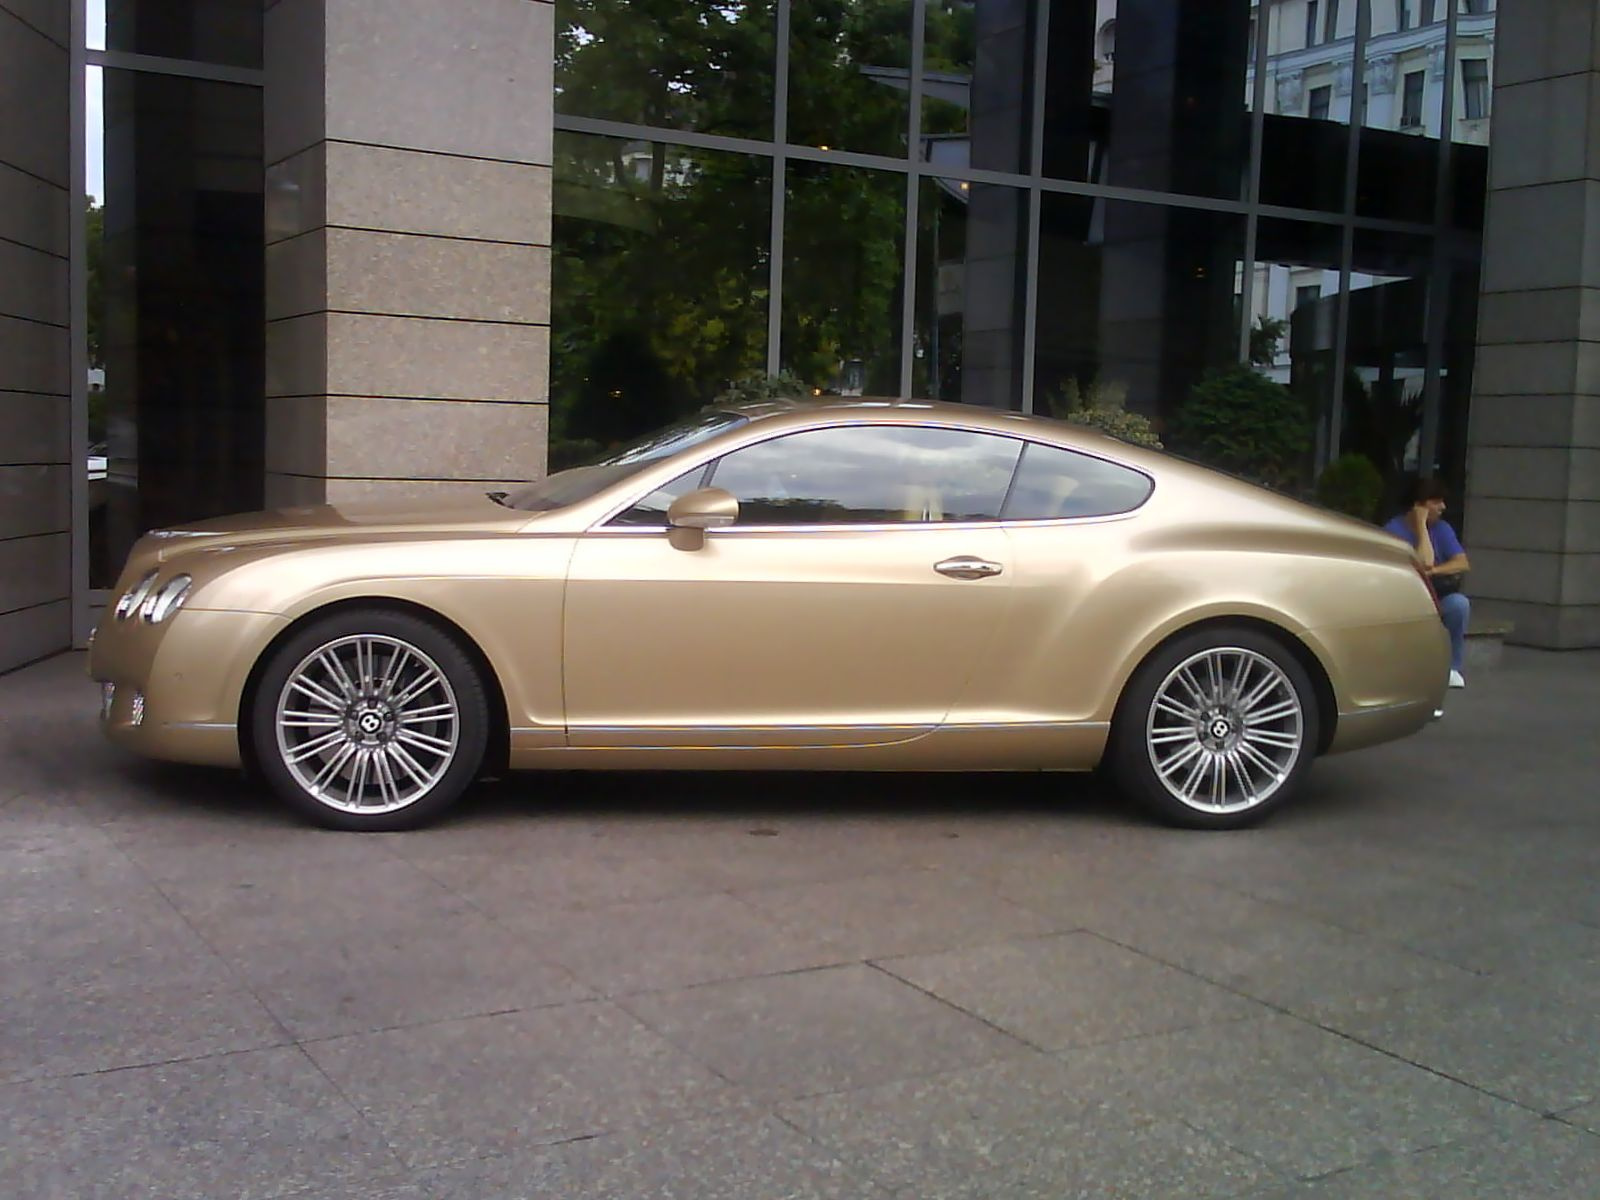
x=965, y=566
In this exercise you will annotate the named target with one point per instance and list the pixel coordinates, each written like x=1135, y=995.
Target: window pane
x=176, y=318
x=1399, y=153
x=1136, y=302
x=1470, y=124
x=659, y=285
x=1460, y=286
x=1475, y=89
x=212, y=31
x=977, y=103
x=1053, y=483
x=1149, y=94
x=705, y=65
x=844, y=239
x=849, y=75
x=1294, y=305
x=652, y=510
x=971, y=274
x=1308, y=105
x=1386, y=353
x=870, y=475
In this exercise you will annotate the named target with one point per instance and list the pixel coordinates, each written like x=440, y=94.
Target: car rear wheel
x=1216, y=730
x=370, y=720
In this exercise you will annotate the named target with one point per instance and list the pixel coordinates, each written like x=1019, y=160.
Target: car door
x=848, y=605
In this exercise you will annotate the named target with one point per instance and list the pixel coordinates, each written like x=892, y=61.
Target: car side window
x=870, y=474
x=1053, y=483
x=652, y=510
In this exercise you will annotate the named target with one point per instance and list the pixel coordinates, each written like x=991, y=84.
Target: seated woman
x=1439, y=550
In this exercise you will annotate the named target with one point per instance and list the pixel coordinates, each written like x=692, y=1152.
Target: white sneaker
x=1456, y=679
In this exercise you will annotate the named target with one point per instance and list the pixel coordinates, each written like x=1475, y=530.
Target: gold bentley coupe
x=838, y=585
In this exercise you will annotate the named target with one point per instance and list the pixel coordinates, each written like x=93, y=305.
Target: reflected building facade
x=1013, y=203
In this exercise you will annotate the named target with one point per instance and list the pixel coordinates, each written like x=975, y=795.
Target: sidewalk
x=750, y=987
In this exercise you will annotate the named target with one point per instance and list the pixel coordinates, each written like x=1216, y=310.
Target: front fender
x=505, y=594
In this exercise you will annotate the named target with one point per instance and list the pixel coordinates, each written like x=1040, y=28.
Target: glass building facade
x=1014, y=203
x=1017, y=203
x=175, y=287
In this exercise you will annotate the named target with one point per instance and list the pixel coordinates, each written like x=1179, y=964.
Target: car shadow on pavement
x=232, y=796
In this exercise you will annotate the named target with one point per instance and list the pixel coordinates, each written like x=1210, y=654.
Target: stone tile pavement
x=757, y=987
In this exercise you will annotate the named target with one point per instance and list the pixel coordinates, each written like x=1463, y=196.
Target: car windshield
x=579, y=483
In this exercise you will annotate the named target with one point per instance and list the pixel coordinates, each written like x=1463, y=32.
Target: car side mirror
x=697, y=511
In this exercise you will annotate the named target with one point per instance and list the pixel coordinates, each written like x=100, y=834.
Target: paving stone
x=97, y=979
x=1537, y=1160
x=763, y=849
x=670, y=943
x=819, y=1031
x=1532, y=1044
x=498, y=1084
x=1019, y=1129
x=1071, y=990
x=254, y=1125
x=1301, y=1099
x=898, y=913
x=279, y=855
x=514, y=886
x=1262, y=949
x=323, y=983
x=1585, y=1117
x=694, y=1160
x=44, y=860
x=256, y=906
x=1369, y=904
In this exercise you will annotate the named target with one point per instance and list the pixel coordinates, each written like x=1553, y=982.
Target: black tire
x=445, y=774
x=1132, y=750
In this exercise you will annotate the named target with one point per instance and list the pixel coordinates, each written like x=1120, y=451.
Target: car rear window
x=1053, y=483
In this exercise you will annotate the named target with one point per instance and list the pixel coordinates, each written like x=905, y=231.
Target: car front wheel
x=370, y=720
x=1217, y=729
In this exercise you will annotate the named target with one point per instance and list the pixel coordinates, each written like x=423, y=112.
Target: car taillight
x=1427, y=582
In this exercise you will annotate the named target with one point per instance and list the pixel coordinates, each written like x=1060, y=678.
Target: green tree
x=1351, y=485
x=754, y=389
x=1102, y=406
x=1237, y=420
x=1264, y=339
x=661, y=251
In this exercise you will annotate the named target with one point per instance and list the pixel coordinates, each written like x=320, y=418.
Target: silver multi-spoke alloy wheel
x=1225, y=730
x=367, y=724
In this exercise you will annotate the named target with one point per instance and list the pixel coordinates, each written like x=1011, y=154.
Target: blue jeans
x=1455, y=609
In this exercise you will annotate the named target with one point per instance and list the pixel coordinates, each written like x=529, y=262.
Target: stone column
x=35, y=388
x=1533, y=475
x=408, y=149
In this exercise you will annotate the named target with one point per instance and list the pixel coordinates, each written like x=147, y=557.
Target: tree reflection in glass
x=705, y=65
x=659, y=285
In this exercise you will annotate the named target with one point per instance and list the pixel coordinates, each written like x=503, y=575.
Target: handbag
x=1447, y=585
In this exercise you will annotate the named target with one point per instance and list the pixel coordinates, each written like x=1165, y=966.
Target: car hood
x=355, y=521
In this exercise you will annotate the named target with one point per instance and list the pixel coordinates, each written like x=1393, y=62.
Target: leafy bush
x=1102, y=406
x=753, y=389
x=1351, y=485
x=1240, y=421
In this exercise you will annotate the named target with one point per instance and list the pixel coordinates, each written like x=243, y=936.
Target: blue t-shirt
x=1446, y=545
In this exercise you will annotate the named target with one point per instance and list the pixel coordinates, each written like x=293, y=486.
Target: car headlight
x=167, y=600
x=134, y=596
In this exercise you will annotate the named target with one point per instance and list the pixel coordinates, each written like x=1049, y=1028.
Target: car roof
x=977, y=416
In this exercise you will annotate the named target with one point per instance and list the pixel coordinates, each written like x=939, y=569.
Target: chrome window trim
x=603, y=524
x=875, y=527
